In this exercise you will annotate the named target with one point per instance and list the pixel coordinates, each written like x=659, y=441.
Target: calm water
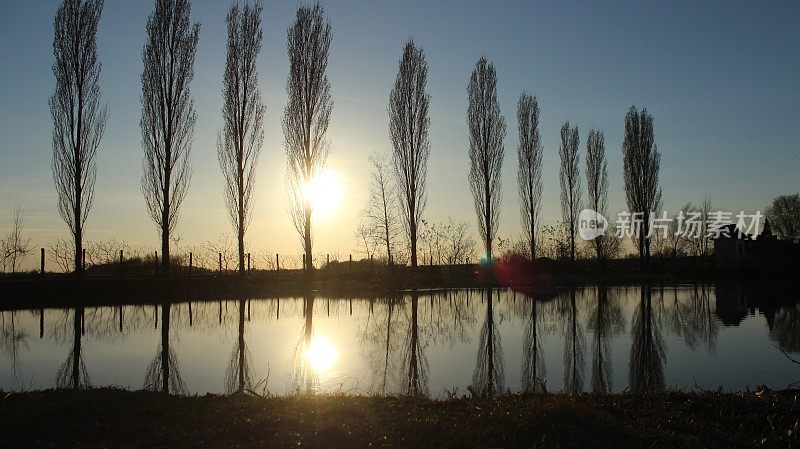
x=605, y=339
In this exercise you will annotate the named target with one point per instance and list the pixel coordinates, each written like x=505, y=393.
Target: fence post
x=304, y=261
x=431, y=262
x=42, y=273
x=351, y=263
x=156, y=263
x=248, y=269
x=190, y=263
x=277, y=263
x=328, y=261
x=83, y=260
x=220, y=263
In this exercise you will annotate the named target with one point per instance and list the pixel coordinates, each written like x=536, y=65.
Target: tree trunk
x=309, y=266
x=241, y=250
x=413, y=246
x=76, y=349
x=533, y=240
x=165, y=347
x=165, y=247
x=241, y=345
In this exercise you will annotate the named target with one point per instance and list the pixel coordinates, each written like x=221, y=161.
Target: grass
x=120, y=418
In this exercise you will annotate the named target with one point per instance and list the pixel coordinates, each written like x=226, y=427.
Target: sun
x=321, y=354
x=325, y=192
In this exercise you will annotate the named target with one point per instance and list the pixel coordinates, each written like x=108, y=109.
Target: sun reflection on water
x=321, y=354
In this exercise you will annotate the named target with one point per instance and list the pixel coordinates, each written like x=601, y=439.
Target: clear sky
x=720, y=78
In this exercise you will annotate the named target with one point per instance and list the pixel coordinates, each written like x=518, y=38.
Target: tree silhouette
x=239, y=375
x=488, y=379
x=487, y=129
x=72, y=373
x=409, y=122
x=239, y=142
x=14, y=246
x=307, y=115
x=79, y=119
x=381, y=211
x=570, y=180
x=415, y=363
x=303, y=378
x=597, y=183
x=641, y=165
x=784, y=216
x=163, y=373
x=168, y=115
x=573, y=346
x=647, y=350
x=606, y=321
x=534, y=376
x=529, y=169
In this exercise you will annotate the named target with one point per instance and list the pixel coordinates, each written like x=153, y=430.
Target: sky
x=719, y=78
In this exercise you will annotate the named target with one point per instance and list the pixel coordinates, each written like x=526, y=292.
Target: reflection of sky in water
x=678, y=338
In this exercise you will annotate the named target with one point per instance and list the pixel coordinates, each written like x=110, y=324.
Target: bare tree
x=381, y=212
x=569, y=176
x=239, y=142
x=678, y=242
x=529, y=170
x=61, y=252
x=784, y=216
x=487, y=129
x=168, y=115
x=641, y=165
x=14, y=246
x=78, y=117
x=457, y=241
x=409, y=122
x=307, y=114
x=367, y=239
x=597, y=183
x=705, y=242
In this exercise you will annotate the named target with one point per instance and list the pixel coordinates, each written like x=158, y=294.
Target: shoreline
x=61, y=290
x=110, y=417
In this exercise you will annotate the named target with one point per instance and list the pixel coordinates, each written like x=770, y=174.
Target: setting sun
x=321, y=354
x=325, y=192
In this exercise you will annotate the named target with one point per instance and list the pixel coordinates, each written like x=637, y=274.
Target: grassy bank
x=362, y=278
x=118, y=418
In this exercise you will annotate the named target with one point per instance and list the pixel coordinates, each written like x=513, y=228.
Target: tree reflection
x=302, y=377
x=72, y=373
x=574, y=343
x=415, y=364
x=489, y=376
x=694, y=318
x=606, y=320
x=784, y=328
x=239, y=374
x=163, y=373
x=12, y=338
x=384, y=336
x=647, y=349
x=534, y=377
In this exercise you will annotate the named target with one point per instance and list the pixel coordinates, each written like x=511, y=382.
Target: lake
x=438, y=343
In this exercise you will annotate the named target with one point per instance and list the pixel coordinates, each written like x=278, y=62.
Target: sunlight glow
x=325, y=191
x=321, y=354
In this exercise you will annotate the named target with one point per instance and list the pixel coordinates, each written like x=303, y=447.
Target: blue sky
x=720, y=78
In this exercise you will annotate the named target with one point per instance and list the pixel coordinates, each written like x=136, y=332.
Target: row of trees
x=168, y=119
x=168, y=114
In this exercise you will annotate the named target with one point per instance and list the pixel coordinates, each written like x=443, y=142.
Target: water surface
x=428, y=342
